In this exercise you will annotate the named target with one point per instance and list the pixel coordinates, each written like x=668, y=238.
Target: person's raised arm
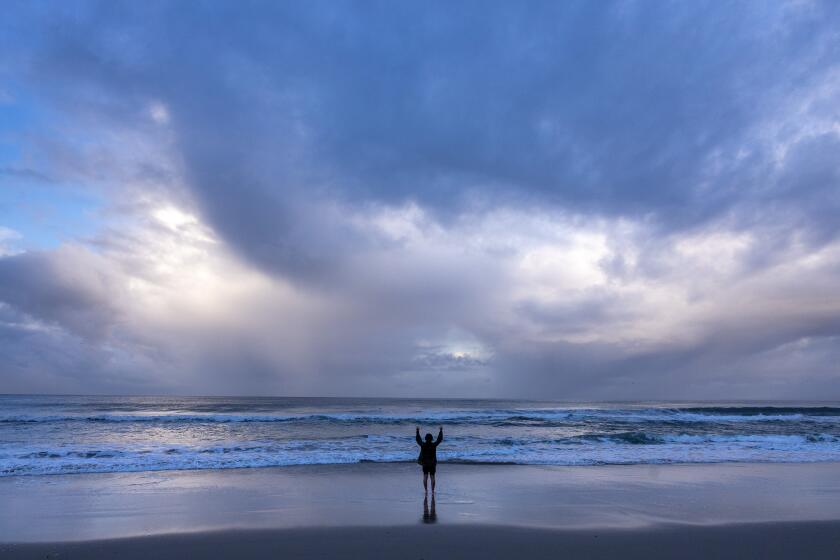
x=417, y=437
x=440, y=436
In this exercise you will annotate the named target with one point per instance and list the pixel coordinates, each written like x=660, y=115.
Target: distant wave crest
x=491, y=417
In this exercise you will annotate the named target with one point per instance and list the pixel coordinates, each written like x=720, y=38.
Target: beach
x=296, y=280
x=175, y=477
x=766, y=541
x=735, y=510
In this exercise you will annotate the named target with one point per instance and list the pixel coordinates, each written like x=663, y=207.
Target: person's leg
x=426, y=482
x=433, y=483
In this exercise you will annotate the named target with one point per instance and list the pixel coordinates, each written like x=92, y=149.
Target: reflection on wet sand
x=429, y=516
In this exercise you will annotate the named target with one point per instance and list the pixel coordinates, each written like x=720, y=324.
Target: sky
x=561, y=200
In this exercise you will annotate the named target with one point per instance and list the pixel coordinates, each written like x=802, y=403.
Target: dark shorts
x=429, y=469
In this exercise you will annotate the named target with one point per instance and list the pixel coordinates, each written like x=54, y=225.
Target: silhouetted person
x=428, y=457
x=429, y=516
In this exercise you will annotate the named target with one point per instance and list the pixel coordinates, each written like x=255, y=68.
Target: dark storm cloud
x=66, y=288
x=615, y=108
x=372, y=153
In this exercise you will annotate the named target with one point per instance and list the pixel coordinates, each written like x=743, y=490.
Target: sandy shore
x=376, y=510
x=814, y=540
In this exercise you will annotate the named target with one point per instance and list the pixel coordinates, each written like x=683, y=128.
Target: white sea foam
x=598, y=450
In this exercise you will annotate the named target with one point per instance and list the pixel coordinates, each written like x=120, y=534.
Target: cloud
x=573, y=200
x=617, y=109
x=8, y=237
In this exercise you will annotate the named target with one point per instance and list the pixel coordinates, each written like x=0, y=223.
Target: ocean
x=42, y=435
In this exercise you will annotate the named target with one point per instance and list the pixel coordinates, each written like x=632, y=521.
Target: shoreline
x=490, y=464
x=724, y=510
x=103, y=506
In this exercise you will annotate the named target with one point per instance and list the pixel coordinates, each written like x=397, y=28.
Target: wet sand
x=377, y=510
x=815, y=540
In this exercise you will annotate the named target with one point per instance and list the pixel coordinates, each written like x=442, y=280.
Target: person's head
x=428, y=437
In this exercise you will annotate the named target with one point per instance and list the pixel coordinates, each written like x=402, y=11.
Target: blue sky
x=42, y=211
x=578, y=200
